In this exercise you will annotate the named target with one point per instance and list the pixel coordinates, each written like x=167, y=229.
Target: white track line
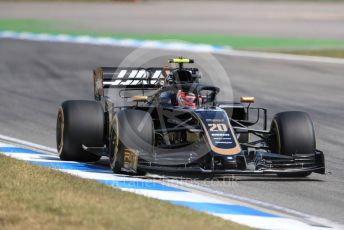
x=164, y=45
x=177, y=196
x=288, y=211
x=36, y=157
x=28, y=143
x=270, y=223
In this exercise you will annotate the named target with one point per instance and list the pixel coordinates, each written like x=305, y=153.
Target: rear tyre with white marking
x=79, y=123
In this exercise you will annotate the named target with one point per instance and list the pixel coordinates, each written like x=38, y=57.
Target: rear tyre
x=131, y=130
x=79, y=123
x=292, y=133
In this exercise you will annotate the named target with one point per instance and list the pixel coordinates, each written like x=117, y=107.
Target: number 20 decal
x=217, y=128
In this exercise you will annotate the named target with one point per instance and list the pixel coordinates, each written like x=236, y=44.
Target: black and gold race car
x=172, y=123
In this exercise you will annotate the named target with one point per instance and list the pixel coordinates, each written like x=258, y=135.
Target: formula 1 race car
x=175, y=124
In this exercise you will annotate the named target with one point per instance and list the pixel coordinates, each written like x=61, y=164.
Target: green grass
x=238, y=42
x=316, y=47
x=30, y=25
x=40, y=198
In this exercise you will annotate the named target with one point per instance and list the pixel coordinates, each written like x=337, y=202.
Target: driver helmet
x=186, y=99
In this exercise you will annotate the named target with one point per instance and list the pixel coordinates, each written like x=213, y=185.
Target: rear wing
x=132, y=78
x=127, y=77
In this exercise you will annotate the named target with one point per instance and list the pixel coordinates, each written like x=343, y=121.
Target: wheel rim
x=60, y=131
x=113, y=148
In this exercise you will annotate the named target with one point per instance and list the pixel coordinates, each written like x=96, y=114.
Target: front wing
x=263, y=163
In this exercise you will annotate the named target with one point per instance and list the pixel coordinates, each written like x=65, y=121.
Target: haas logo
x=134, y=77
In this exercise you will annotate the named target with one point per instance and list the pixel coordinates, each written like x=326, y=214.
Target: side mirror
x=247, y=99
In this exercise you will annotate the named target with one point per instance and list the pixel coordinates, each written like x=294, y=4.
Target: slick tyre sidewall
x=293, y=133
x=79, y=123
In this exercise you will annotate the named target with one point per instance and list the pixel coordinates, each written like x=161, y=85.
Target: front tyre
x=292, y=133
x=131, y=130
x=79, y=123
